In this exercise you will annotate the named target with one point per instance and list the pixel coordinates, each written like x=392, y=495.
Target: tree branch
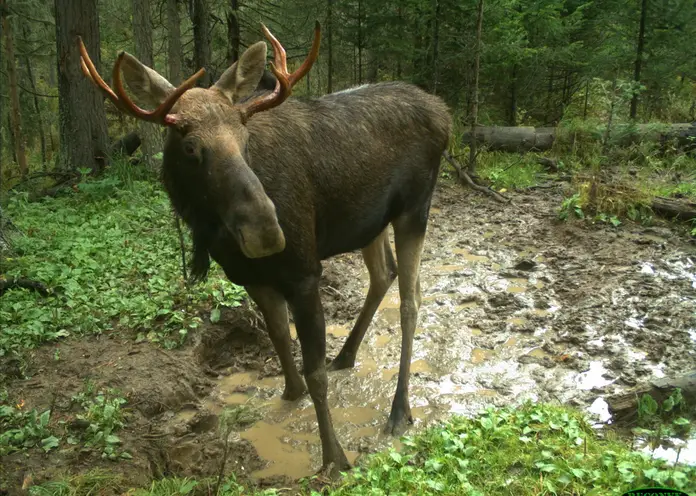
x=464, y=177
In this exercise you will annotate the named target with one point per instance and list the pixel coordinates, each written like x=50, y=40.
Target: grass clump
x=531, y=450
x=111, y=256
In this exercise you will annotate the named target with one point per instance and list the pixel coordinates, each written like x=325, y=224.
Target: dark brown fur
x=269, y=194
x=338, y=169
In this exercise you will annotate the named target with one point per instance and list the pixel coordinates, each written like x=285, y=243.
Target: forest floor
x=517, y=306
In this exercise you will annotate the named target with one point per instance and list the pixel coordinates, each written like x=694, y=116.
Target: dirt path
x=516, y=306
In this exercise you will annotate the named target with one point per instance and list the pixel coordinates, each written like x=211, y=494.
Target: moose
x=270, y=187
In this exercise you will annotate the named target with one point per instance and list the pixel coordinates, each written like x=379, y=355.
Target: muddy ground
x=516, y=305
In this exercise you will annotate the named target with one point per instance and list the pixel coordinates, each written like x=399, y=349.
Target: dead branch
x=464, y=177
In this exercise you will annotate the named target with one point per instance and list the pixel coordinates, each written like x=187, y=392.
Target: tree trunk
x=15, y=112
x=587, y=97
x=233, y=34
x=329, y=45
x=37, y=107
x=513, y=97
x=174, y=42
x=84, y=139
x=150, y=134
x=639, y=55
x=360, y=78
x=2, y=220
x=398, y=58
x=201, y=41
x=474, y=104
x=436, y=42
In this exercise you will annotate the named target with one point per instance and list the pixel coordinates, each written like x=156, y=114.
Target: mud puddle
x=542, y=312
x=515, y=306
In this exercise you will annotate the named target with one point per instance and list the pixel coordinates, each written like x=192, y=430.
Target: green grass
x=535, y=449
x=110, y=255
x=509, y=171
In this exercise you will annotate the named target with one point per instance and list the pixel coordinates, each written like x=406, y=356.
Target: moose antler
x=285, y=80
x=121, y=99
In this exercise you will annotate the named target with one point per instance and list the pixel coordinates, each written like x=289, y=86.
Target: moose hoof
x=341, y=362
x=399, y=420
x=295, y=392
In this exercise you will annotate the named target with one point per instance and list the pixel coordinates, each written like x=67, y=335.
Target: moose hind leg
x=409, y=234
x=381, y=266
x=275, y=313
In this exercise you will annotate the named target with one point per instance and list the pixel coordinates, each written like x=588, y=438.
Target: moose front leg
x=275, y=313
x=311, y=329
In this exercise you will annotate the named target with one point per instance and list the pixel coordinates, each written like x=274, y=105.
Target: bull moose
x=270, y=187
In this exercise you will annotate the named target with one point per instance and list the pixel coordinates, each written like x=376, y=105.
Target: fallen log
x=525, y=139
x=624, y=407
x=674, y=209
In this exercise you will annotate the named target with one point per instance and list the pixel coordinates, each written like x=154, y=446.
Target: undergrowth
x=110, y=255
x=509, y=171
x=529, y=450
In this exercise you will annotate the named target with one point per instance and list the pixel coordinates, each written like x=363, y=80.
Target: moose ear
x=148, y=87
x=242, y=77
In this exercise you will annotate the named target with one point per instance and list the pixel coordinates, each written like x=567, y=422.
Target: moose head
x=206, y=146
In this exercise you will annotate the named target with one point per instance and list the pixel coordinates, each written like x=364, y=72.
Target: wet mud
x=516, y=306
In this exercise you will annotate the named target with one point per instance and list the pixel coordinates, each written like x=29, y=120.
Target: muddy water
x=579, y=320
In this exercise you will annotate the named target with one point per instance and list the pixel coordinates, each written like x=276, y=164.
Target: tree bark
x=329, y=45
x=436, y=43
x=233, y=34
x=3, y=245
x=150, y=134
x=84, y=139
x=639, y=55
x=201, y=41
x=473, y=148
x=360, y=47
x=15, y=112
x=174, y=42
x=513, y=97
x=37, y=107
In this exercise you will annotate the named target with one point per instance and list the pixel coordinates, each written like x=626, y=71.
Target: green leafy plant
x=571, y=207
x=111, y=263
x=608, y=219
x=20, y=430
x=104, y=416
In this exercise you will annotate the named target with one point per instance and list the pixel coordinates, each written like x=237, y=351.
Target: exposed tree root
x=466, y=178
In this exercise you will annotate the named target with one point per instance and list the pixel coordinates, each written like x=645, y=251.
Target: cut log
x=624, y=406
x=513, y=139
x=525, y=139
x=674, y=209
